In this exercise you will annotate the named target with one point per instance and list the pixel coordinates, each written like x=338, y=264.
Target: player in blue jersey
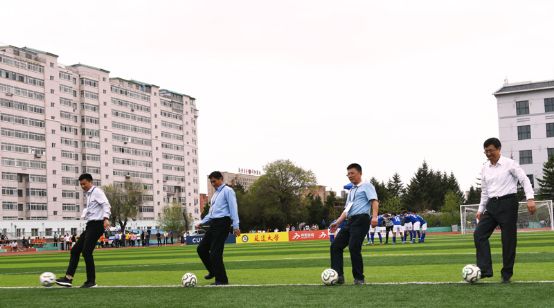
x=373, y=230
x=409, y=219
x=397, y=228
x=422, y=225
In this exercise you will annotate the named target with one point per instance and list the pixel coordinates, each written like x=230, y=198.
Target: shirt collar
x=91, y=189
x=358, y=185
x=500, y=161
x=220, y=187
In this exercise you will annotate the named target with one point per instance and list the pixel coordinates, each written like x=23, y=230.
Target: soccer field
x=288, y=274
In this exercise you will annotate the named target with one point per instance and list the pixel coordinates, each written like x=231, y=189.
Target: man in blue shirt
x=361, y=199
x=223, y=213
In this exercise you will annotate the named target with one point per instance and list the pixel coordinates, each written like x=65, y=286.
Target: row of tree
x=282, y=196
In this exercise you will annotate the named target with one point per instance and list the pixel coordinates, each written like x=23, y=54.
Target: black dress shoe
x=486, y=275
x=340, y=280
x=89, y=284
x=218, y=283
x=64, y=282
x=506, y=279
x=209, y=276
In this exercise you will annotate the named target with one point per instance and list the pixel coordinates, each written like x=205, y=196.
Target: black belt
x=356, y=216
x=508, y=196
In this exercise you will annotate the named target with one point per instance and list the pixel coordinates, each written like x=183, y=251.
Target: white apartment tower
x=60, y=121
x=526, y=124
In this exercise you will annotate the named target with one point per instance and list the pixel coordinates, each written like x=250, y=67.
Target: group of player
x=399, y=225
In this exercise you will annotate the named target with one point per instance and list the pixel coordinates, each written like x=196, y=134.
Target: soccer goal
x=541, y=220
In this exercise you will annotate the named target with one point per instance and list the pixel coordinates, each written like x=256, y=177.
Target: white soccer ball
x=188, y=280
x=47, y=279
x=471, y=273
x=329, y=277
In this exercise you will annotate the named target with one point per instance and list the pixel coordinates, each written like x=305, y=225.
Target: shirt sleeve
x=484, y=193
x=233, y=208
x=520, y=175
x=106, y=207
x=206, y=218
x=370, y=192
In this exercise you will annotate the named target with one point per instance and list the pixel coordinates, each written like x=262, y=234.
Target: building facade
x=59, y=121
x=526, y=124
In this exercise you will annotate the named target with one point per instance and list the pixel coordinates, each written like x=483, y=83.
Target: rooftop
x=91, y=67
x=525, y=87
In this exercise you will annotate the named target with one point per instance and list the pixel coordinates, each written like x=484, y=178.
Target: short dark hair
x=85, y=176
x=492, y=141
x=215, y=175
x=355, y=166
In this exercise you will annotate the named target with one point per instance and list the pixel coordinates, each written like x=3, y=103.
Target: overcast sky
x=386, y=84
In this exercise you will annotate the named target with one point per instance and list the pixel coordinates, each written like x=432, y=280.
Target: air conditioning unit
x=126, y=140
x=132, y=110
x=38, y=155
x=9, y=94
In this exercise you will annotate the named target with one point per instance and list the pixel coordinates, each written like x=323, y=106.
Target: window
x=550, y=152
x=525, y=157
x=524, y=132
x=549, y=129
x=549, y=104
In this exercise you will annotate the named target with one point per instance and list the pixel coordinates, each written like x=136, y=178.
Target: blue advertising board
x=196, y=239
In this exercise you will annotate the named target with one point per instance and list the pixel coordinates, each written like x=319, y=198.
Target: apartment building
x=59, y=121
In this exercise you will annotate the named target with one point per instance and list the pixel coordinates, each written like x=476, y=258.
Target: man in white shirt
x=499, y=207
x=97, y=215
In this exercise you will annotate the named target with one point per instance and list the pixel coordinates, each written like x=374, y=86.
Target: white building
x=526, y=124
x=59, y=121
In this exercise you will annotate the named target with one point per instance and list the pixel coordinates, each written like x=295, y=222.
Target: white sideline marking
x=295, y=284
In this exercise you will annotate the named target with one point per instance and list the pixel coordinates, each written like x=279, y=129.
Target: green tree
x=175, y=218
x=206, y=210
x=395, y=187
x=391, y=205
x=547, y=182
x=451, y=209
x=125, y=201
x=416, y=196
x=380, y=189
x=474, y=195
x=315, y=210
x=428, y=188
x=274, y=200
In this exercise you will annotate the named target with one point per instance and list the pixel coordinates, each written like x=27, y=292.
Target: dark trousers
x=387, y=230
x=85, y=245
x=503, y=213
x=211, y=247
x=352, y=235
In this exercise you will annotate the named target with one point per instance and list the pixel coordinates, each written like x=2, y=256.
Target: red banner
x=308, y=235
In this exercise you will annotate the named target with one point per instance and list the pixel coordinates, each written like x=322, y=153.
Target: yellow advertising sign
x=270, y=237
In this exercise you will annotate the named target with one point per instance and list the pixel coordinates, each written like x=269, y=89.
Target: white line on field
x=301, y=284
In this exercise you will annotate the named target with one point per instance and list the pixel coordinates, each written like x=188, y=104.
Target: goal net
x=541, y=220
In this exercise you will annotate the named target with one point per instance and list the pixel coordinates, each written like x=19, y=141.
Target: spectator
x=142, y=238
x=159, y=237
x=165, y=237
x=148, y=233
x=171, y=236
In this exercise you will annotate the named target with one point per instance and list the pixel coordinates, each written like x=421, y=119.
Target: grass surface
x=438, y=260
